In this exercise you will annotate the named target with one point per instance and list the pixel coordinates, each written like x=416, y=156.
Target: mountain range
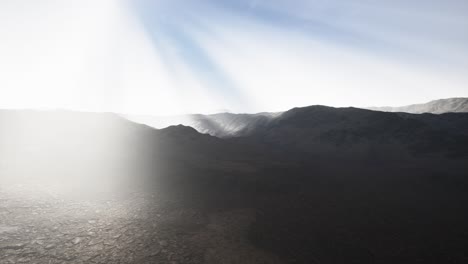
x=232, y=125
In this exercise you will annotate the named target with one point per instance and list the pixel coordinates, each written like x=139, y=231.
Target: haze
x=176, y=57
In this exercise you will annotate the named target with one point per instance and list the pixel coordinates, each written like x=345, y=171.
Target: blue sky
x=167, y=57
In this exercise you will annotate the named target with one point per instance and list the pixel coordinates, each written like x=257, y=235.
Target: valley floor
x=44, y=227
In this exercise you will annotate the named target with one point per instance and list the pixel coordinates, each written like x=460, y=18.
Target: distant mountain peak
x=179, y=130
x=440, y=106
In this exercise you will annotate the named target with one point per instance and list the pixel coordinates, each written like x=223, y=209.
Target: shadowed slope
x=321, y=128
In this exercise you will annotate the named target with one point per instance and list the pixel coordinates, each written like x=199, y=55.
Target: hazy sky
x=174, y=56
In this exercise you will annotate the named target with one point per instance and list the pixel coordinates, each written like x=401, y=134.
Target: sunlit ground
x=87, y=188
x=66, y=192
x=40, y=225
x=43, y=223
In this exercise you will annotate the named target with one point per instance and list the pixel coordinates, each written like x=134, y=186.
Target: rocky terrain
x=40, y=226
x=312, y=185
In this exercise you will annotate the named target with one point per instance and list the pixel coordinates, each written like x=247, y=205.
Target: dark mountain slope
x=456, y=123
x=321, y=128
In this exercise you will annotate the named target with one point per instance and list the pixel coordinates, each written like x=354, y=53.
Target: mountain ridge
x=225, y=125
x=449, y=105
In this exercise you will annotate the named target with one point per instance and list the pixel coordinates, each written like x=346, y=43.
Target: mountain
x=321, y=128
x=83, y=148
x=220, y=125
x=225, y=125
x=107, y=144
x=450, y=105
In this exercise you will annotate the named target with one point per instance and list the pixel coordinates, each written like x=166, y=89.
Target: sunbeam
x=176, y=57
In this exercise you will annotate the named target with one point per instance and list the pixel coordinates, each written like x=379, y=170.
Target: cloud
x=280, y=69
x=283, y=54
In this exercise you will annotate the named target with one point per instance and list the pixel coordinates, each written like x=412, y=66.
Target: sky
x=165, y=57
